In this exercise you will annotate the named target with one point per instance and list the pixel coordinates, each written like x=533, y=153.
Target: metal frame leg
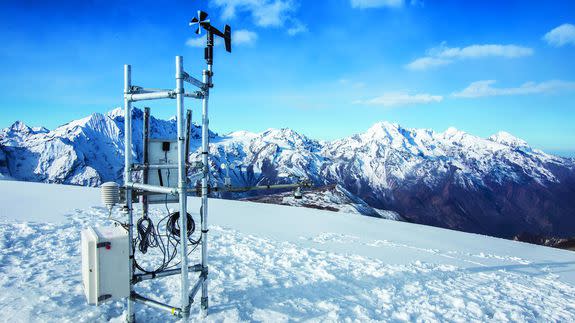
x=181, y=119
x=130, y=315
x=207, y=79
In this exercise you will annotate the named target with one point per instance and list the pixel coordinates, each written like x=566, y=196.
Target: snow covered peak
x=281, y=133
x=285, y=138
x=508, y=139
x=242, y=134
x=20, y=126
x=19, y=129
x=117, y=112
x=383, y=129
x=453, y=132
x=40, y=129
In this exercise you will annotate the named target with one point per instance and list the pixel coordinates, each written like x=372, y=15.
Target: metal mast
x=200, y=22
x=207, y=80
x=182, y=175
x=128, y=177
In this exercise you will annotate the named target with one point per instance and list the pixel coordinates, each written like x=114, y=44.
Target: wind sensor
x=200, y=22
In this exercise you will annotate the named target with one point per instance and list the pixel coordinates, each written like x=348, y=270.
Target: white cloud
x=363, y=4
x=427, y=62
x=485, y=88
x=393, y=99
x=560, y=36
x=244, y=37
x=477, y=51
x=196, y=42
x=265, y=13
x=239, y=38
x=444, y=55
x=297, y=28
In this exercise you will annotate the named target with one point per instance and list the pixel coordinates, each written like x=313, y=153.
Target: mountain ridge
x=497, y=185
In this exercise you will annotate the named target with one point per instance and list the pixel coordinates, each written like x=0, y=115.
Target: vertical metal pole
x=130, y=316
x=188, y=134
x=207, y=79
x=145, y=159
x=182, y=188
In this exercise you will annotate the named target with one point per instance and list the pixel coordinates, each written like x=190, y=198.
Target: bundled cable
x=146, y=234
x=166, y=240
x=165, y=237
x=173, y=225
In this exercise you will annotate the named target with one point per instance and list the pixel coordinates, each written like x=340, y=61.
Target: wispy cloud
x=444, y=55
x=364, y=4
x=265, y=13
x=196, y=42
x=350, y=83
x=394, y=99
x=244, y=37
x=239, y=38
x=484, y=89
x=297, y=28
x=560, y=36
x=426, y=63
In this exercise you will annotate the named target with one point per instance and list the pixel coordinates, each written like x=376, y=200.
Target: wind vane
x=200, y=22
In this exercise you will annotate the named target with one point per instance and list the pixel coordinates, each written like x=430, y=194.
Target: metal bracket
x=192, y=80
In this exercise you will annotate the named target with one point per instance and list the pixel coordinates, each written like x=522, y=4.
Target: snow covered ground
x=280, y=263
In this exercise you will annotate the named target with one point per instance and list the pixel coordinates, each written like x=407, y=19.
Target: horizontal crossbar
x=176, y=311
x=150, y=96
x=141, y=277
x=153, y=188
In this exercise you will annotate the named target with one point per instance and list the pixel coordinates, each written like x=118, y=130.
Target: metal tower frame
x=133, y=94
x=131, y=190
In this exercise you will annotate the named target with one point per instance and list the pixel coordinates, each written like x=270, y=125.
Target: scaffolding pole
x=185, y=284
x=130, y=316
x=207, y=79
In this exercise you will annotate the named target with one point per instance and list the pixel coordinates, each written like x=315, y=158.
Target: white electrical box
x=161, y=152
x=105, y=264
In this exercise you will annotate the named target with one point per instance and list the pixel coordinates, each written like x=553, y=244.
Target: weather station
x=110, y=266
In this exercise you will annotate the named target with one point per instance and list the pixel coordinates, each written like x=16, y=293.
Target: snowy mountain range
x=497, y=185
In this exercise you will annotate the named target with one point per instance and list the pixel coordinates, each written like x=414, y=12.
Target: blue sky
x=325, y=68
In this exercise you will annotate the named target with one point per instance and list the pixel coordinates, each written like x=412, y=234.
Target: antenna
x=200, y=22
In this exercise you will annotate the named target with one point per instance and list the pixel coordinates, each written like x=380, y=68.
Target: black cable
x=146, y=234
x=150, y=236
x=173, y=226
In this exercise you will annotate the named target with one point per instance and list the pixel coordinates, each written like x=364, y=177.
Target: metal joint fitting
x=204, y=273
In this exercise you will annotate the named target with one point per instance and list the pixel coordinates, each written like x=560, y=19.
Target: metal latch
x=106, y=244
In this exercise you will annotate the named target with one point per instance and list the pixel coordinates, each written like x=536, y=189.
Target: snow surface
x=331, y=198
x=280, y=263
